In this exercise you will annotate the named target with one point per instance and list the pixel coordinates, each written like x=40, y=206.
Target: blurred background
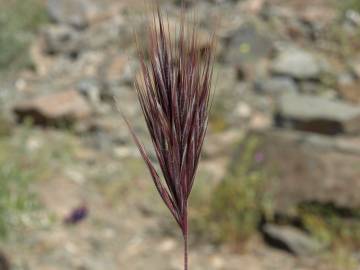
x=278, y=186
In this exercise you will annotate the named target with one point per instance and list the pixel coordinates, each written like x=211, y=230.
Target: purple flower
x=259, y=157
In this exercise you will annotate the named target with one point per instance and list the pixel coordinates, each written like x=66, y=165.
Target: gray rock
x=107, y=33
x=65, y=39
x=247, y=44
x=76, y=13
x=90, y=88
x=317, y=114
x=61, y=39
x=276, y=85
x=310, y=168
x=291, y=239
x=353, y=17
x=311, y=88
x=117, y=72
x=348, y=87
x=296, y=63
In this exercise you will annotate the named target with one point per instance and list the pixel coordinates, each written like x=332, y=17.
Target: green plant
x=5, y=127
x=332, y=226
x=19, y=19
x=234, y=208
x=350, y=4
x=16, y=199
x=25, y=161
x=239, y=201
x=218, y=122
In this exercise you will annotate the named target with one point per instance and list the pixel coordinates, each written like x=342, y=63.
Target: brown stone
x=252, y=6
x=318, y=14
x=115, y=68
x=355, y=66
x=70, y=199
x=55, y=109
x=307, y=168
x=350, y=91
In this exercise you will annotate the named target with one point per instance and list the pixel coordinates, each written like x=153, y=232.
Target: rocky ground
x=77, y=196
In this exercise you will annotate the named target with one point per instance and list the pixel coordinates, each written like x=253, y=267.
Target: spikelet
x=174, y=91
